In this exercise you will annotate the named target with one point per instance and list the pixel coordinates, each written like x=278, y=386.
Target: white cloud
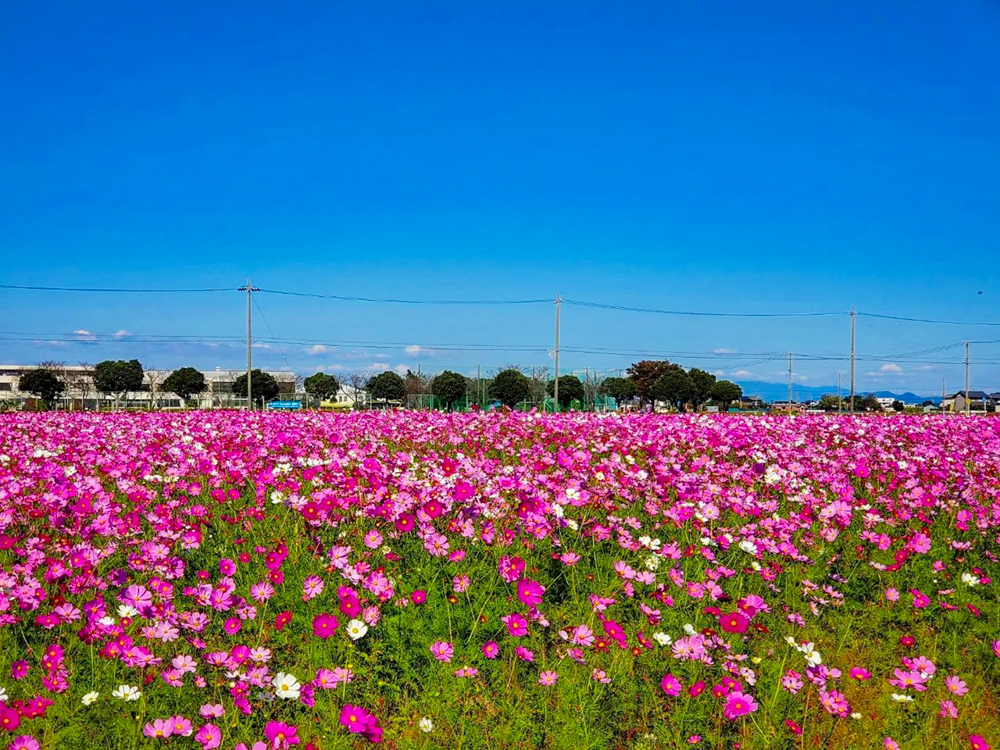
x=260, y=345
x=401, y=369
x=891, y=368
x=723, y=350
x=719, y=373
x=84, y=335
x=122, y=334
x=742, y=374
x=415, y=349
x=315, y=349
x=925, y=368
x=380, y=366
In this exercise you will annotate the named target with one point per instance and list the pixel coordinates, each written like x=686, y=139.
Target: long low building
x=81, y=394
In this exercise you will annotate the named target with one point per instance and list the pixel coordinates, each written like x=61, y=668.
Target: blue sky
x=710, y=156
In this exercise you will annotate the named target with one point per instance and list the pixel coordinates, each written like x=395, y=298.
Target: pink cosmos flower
x=162, y=728
x=671, y=685
x=511, y=568
x=227, y=567
x=466, y=672
x=956, y=685
x=233, y=625
x=442, y=650
x=491, y=649
x=734, y=622
x=19, y=669
x=359, y=721
x=212, y=710
x=418, y=597
x=27, y=742
x=892, y=595
x=460, y=584
x=181, y=726
x=210, y=737
x=859, y=673
x=517, y=626
x=977, y=742
x=739, y=704
x=524, y=654
x=548, y=678
x=948, y=710
x=890, y=744
x=599, y=675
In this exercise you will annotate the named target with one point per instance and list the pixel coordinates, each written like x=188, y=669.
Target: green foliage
x=898, y=406
x=645, y=374
x=449, y=387
x=185, y=382
x=829, y=402
x=321, y=385
x=263, y=385
x=725, y=392
x=43, y=383
x=510, y=387
x=701, y=383
x=621, y=390
x=118, y=377
x=675, y=387
x=386, y=386
x=570, y=389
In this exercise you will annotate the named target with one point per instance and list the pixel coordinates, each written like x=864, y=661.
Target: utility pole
x=789, y=382
x=943, y=392
x=479, y=385
x=249, y=289
x=967, y=399
x=555, y=387
x=854, y=315
x=839, y=400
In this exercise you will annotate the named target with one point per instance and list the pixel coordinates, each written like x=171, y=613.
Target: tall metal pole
x=943, y=386
x=840, y=401
x=968, y=400
x=555, y=387
x=789, y=382
x=249, y=289
x=479, y=385
x=854, y=315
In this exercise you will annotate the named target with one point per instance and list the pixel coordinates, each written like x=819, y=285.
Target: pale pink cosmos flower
x=956, y=685
x=948, y=710
x=548, y=678
x=442, y=650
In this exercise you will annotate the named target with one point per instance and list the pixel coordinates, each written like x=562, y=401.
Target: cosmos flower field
x=424, y=580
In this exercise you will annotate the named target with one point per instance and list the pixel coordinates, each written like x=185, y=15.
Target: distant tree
x=927, y=402
x=387, y=386
x=674, y=387
x=867, y=402
x=43, y=383
x=185, y=382
x=449, y=387
x=321, y=385
x=570, y=389
x=620, y=389
x=510, y=387
x=645, y=373
x=702, y=383
x=416, y=385
x=829, y=402
x=263, y=386
x=118, y=377
x=898, y=405
x=725, y=392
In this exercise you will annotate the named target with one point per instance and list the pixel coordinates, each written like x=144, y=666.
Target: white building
x=80, y=393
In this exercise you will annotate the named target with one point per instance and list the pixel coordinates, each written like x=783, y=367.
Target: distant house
x=970, y=401
x=885, y=402
x=788, y=406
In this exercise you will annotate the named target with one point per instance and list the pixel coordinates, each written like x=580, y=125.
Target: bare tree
x=83, y=382
x=356, y=382
x=154, y=378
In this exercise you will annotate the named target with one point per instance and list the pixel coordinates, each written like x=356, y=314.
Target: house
x=787, y=406
x=971, y=401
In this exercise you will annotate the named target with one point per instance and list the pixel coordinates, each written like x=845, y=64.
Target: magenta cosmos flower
x=517, y=626
x=324, y=625
x=671, y=685
x=359, y=721
x=281, y=735
x=530, y=592
x=734, y=622
x=491, y=649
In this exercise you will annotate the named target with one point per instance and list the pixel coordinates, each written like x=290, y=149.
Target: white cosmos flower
x=127, y=610
x=662, y=638
x=286, y=685
x=356, y=629
x=970, y=580
x=3, y=695
x=89, y=698
x=127, y=693
x=902, y=698
x=814, y=658
x=425, y=724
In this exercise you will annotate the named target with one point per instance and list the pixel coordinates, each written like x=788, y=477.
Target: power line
x=407, y=301
x=264, y=318
x=624, y=308
x=925, y=320
x=113, y=290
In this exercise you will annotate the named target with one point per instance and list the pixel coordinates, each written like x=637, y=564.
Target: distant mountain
x=779, y=392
